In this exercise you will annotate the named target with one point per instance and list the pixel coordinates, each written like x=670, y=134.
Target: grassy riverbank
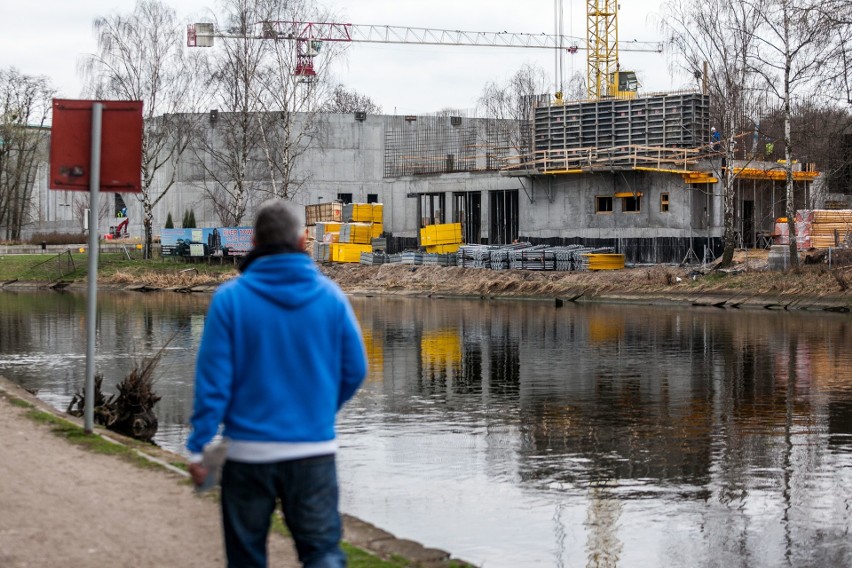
x=748, y=278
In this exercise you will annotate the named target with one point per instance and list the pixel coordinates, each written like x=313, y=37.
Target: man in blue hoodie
x=280, y=355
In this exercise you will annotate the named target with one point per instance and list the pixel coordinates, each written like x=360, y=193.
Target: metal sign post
x=80, y=161
x=92, y=296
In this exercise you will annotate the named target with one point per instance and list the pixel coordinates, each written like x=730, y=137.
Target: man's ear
x=303, y=240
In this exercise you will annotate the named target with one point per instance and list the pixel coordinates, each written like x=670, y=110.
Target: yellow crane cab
x=623, y=85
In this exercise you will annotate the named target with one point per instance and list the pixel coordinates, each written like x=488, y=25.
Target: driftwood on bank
x=131, y=411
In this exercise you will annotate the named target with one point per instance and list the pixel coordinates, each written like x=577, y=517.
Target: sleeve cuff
x=195, y=458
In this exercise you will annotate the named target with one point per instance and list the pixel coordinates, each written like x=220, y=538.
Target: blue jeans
x=307, y=489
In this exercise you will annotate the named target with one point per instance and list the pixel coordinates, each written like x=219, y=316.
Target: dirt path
x=61, y=505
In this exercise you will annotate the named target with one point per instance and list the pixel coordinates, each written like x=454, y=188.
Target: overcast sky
x=48, y=37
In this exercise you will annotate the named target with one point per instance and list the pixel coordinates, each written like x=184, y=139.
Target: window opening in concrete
x=603, y=204
x=748, y=223
x=467, y=210
x=664, y=203
x=631, y=204
x=432, y=207
x=504, y=216
x=344, y=197
x=372, y=198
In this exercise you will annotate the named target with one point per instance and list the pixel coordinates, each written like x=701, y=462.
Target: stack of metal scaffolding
x=374, y=258
x=441, y=259
x=475, y=256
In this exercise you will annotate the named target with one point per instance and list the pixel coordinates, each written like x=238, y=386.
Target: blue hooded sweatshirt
x=280, y=354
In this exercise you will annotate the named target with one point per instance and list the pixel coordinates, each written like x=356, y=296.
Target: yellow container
x=443, y=249
x=343, y=252
x=376, y=230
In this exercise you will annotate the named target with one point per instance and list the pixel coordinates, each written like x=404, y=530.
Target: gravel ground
x=61, y=505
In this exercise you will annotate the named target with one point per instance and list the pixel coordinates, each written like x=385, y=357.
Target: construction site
x=623, y=170
x=628, y=172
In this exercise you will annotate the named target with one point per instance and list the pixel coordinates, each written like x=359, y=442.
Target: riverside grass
x=114, y=268
x=748, y=276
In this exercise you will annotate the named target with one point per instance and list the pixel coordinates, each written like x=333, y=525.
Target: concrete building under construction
x=634, y=174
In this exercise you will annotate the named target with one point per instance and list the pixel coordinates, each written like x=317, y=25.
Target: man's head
x=712, y=129
x=277, y=223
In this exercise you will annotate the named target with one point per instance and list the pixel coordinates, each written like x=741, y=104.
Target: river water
x=519, y=434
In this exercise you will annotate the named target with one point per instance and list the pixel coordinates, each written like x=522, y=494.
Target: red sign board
x=121, y=145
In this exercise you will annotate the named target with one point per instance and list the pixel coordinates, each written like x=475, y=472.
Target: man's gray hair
x=277, y=223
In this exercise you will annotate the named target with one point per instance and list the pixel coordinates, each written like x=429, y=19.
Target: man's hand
x=198, y=472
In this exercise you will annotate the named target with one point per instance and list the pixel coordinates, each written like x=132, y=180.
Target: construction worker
x=715, y=139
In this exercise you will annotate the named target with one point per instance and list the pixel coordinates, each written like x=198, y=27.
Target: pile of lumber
x=823, y=228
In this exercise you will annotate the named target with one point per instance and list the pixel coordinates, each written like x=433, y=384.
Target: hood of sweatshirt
x=288, y=279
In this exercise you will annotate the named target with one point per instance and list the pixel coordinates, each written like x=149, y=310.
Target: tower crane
x=604, y=78
x=309, y=35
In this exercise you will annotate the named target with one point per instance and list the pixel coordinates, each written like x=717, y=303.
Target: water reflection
x=517, y=434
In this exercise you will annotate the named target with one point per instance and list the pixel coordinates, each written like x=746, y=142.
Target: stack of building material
x=436, y=259
x=356, y=233
x=602, y=261
x=322, y=212
x=324, y=228
x=411, y=257
x=363, y=212
x=374, y=258
x=346, y=252
x=823, y=228
x=443, y=238
x=539, y=257
x=321, y=252
x=362, y=223
x=475, y=256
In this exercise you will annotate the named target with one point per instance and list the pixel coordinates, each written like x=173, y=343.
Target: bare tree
x=81, y=208
x=511, y=103
x=836, y=15
x=25, y=105
x=268, y=91
x=343, y=100
x=715, y=42
x=293, y=89
x=793, y=46
x=139, y=57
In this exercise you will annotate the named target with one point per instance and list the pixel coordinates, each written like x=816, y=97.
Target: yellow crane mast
x=604, y=79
